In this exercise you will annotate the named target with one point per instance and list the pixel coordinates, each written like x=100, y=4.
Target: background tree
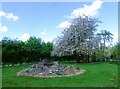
x=11, y=51
x=46, y=49
x=115, y=51
x=104, y=37
x=77, y=37
x=15, y=51
x=80, y=40
x=33, y=48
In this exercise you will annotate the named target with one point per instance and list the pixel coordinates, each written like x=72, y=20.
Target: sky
x=48, y=19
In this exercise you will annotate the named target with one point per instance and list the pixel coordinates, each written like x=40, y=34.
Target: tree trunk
x=88, y=58
x=94, y=57
x=77, y=59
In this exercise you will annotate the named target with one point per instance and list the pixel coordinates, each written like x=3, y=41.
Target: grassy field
x=96, y=75
x=0, y=77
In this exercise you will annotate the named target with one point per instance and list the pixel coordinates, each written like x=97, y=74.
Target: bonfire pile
x=50, y=69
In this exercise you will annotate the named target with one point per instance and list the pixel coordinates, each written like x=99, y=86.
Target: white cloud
x=47, y=39
x=25, y=37
x=2, y=13
x=43, y=32
x=87, y=10
x=64, y=24
x=3, y=28
x=11, y=16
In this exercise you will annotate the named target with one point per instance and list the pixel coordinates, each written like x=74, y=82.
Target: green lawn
x=96, y=75
x=0, y=77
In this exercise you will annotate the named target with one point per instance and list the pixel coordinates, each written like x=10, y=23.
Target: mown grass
x=0, y=77
x=96, y=75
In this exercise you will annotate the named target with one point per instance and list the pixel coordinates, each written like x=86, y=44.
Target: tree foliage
x=15, y=51
x=115, y=53
x=80, y=38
